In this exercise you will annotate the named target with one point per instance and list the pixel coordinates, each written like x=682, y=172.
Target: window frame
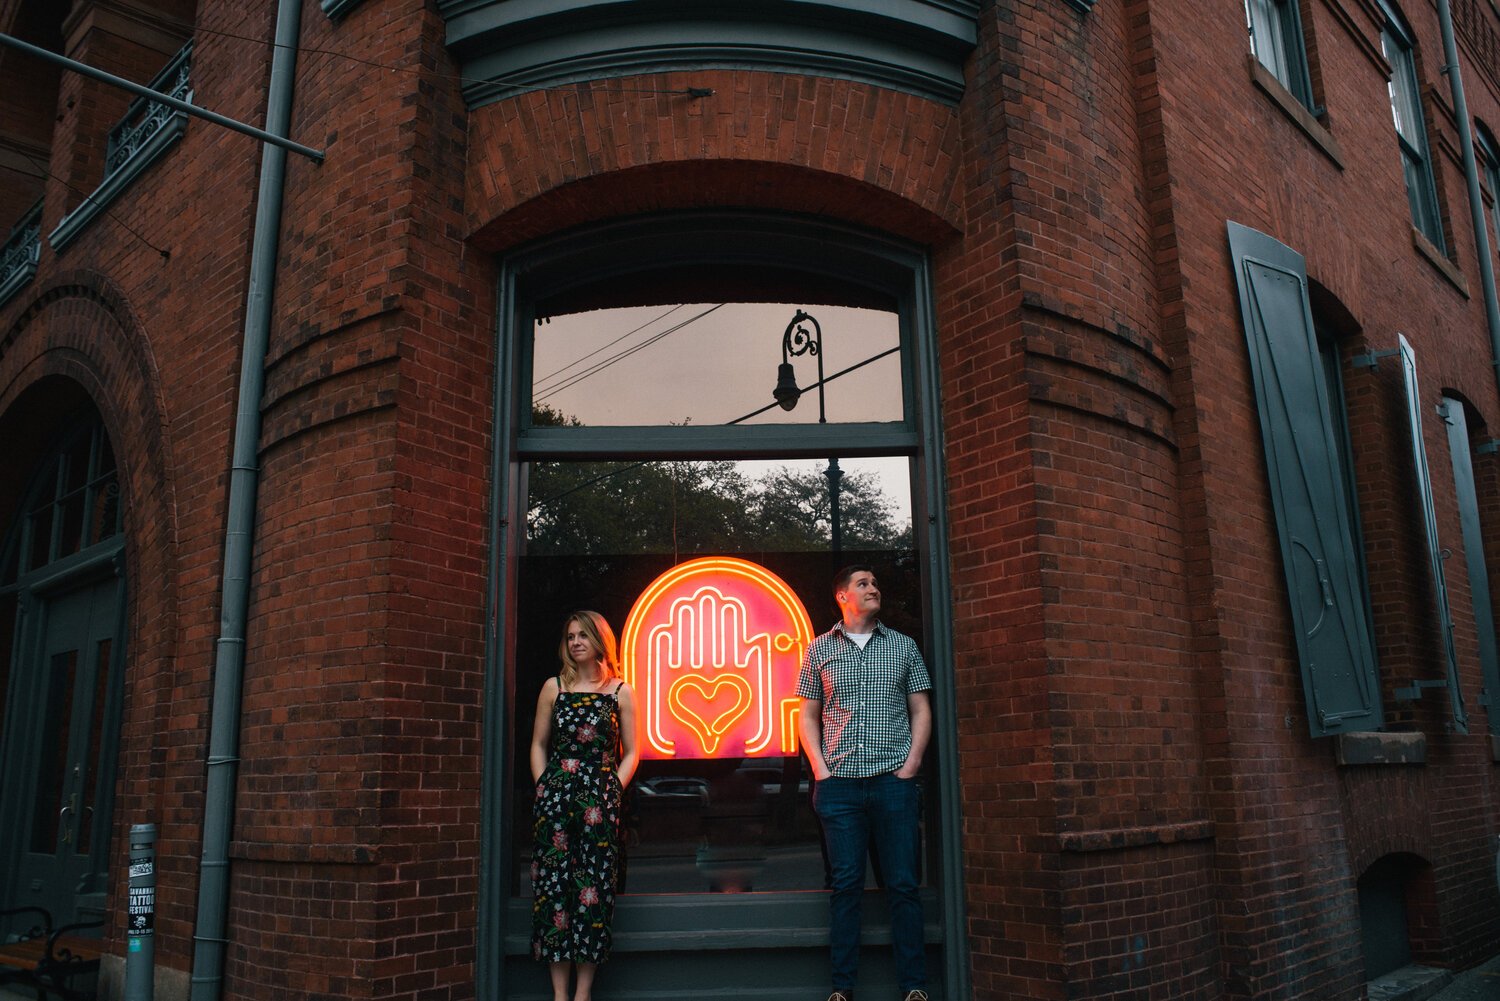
x=649, y=245
x=1489, y=146
x=1288, y=44
x=1399, y=44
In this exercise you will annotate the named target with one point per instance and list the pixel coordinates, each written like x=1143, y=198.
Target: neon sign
x=712, y=648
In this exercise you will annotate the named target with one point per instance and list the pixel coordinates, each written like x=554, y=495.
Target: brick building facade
x=1136, y=259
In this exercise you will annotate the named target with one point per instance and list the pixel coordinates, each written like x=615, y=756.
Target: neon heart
x=699, y=703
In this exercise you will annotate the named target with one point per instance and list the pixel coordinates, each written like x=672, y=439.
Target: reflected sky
x=711, y=363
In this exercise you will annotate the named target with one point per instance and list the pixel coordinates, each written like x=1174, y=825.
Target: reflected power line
x=574, y=380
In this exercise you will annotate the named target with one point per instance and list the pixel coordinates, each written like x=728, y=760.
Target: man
x=865, y=723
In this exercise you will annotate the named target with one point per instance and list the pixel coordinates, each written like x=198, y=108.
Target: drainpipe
x=1471, y=177
x=209, y=939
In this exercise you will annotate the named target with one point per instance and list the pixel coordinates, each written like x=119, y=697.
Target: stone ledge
x=1372, y=748
x=1294, y=109
x=1135, y=837
x=1410, y=983
x=1435, y=257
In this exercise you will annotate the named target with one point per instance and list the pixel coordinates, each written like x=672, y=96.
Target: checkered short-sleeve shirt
x=866, y=725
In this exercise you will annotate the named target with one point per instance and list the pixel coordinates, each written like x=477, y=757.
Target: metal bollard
x=140, y=933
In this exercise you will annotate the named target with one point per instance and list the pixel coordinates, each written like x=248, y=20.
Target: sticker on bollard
x=142, y=910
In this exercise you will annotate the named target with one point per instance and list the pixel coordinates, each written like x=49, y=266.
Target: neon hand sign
x=712, y=649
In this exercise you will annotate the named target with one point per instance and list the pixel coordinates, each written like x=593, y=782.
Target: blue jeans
x=855, y=812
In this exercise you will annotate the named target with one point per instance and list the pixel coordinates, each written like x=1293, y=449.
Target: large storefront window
x=700, y=422
x=721, y=799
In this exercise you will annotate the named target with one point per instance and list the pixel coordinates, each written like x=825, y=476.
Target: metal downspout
x=209, y=940
x=1471, y=178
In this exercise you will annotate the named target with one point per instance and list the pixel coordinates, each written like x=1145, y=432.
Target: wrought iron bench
x=51, y=960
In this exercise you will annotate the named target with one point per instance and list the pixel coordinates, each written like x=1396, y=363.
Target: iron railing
x=21, y=253
x=146, y=117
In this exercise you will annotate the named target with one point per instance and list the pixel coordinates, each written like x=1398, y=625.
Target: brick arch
x=1404, y=843
x=80, y=328
x=554, y=159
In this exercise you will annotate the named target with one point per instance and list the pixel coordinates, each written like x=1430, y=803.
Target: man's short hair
x=842, y=578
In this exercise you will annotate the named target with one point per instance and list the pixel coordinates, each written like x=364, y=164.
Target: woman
x=583, y=754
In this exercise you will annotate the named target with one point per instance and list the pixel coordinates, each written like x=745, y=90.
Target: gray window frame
x=1405, y=91
x=1278, y=43
x=838, y=252
x=1489, y=146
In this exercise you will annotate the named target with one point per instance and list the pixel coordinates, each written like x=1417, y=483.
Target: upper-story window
x=1276, y=40
x=1411, y=129
x=1489, y=149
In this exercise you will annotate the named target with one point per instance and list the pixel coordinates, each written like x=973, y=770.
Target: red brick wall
x=1144, y=814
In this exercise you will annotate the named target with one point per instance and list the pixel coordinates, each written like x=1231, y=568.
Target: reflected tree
x=692, y=507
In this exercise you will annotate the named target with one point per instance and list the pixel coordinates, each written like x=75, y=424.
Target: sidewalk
x=1422, y=983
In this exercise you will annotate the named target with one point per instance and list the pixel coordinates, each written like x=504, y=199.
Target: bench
x=51, y=960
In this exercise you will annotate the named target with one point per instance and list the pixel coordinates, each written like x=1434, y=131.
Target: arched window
x=61, y=594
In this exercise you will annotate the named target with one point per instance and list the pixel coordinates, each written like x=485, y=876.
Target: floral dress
x=577, y=824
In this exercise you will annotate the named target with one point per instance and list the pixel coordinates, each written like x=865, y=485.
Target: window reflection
x=598, y=534
x=709, y=363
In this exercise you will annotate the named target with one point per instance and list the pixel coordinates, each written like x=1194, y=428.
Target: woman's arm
x=630, y=754
x=541, y=731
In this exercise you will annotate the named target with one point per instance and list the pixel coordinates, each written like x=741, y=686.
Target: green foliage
x=697, y=506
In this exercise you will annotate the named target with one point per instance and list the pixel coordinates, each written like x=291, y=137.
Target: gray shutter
x=1435, y=557
x=1329, y=611
x=1479, y=578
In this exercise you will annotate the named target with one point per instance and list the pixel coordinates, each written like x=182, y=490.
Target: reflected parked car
x=768, y=773
x=673, y=789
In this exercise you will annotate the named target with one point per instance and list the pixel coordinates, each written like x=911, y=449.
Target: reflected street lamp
x=798, y=340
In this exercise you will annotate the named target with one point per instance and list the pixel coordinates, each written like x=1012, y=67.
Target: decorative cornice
x=336, y=9
x=510, y=47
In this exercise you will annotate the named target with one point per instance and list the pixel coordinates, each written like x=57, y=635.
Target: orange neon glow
x=712, y=648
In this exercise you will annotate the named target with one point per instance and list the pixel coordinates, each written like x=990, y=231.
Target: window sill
x=1297, y=112
x=1378, y=748
x=1436, y=259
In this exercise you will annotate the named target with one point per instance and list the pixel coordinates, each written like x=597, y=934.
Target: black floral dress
x=577, y=823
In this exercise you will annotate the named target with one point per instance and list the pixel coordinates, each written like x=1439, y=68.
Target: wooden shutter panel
x=1330, y=615
x=1429, y=524
x=1479, y=578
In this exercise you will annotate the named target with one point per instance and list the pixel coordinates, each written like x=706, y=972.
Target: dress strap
x=618, y=685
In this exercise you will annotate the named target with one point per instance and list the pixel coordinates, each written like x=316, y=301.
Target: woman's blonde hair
x=601, y=637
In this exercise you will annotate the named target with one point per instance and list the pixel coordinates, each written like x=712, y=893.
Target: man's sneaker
x=917, y=995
